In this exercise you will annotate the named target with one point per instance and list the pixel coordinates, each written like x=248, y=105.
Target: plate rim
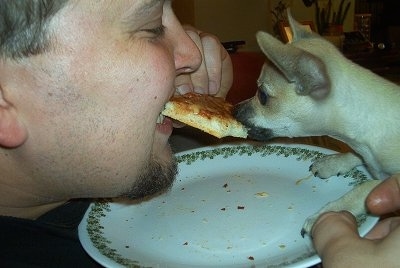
x=306, y=153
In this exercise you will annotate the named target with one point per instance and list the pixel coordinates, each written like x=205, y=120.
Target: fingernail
x=375, y=204
x=183, y=89
x=374, y=201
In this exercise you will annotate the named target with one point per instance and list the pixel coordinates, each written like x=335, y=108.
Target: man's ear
x=13, y=132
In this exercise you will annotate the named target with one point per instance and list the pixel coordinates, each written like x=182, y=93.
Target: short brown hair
x=23, y=26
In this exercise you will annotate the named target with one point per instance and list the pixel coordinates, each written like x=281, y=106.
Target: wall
x=233, y=19
x=184, y=9
x=241, y=19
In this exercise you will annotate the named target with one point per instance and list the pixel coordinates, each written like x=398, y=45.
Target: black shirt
x=49, y=241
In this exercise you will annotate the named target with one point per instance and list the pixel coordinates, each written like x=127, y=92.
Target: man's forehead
x=146, y=5
x=139, y=9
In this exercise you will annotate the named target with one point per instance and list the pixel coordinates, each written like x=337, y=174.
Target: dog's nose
x=240, y=112
x=244, y=112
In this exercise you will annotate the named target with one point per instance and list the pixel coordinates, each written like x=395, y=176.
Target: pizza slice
x=207, y=113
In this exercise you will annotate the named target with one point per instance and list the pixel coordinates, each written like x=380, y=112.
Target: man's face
x=91, y=102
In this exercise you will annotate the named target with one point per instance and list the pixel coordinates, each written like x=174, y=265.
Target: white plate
x=232, y=205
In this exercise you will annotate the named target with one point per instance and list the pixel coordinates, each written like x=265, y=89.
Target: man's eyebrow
x=147, y=6
x=138, y=11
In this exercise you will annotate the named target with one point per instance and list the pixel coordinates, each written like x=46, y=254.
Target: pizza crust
x=207, y=113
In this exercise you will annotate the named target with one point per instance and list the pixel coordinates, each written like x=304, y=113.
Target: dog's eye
x=263, y=97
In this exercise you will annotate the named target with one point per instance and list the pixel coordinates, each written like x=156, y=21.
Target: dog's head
x=292, y=88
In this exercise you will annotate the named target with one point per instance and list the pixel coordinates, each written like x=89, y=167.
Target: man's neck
x=28, y=212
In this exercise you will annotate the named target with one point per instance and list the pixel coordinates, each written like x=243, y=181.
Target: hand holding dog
x=215, y=73
x=336, y=237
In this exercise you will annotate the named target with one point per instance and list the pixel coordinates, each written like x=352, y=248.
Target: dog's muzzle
x=243, y=112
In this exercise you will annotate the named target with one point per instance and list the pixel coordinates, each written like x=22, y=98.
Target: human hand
x=385, y=198
x=215, y=74
x=336, y=237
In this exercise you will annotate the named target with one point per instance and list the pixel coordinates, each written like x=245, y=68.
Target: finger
x=199, y=79
x=391, y=242
x=332, y=231
x=226, y=77
x=183, y=84
x=338, y=244
x=385, y=198
x=218, y=64
x=383, y=228
x=213, y=54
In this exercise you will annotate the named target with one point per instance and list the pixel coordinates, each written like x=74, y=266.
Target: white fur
x=314, y=90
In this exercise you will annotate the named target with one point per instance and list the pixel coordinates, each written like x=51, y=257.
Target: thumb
x=385, y=198
x=334, y=232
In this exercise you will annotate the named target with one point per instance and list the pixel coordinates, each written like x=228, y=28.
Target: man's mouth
x=164, y=124
x=161, y=120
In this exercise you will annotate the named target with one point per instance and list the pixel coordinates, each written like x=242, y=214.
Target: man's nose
x=187, y=55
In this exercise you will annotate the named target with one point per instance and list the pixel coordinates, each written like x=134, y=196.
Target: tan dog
x=310, y=89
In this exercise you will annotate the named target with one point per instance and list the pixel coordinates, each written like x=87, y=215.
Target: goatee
x=157, y=177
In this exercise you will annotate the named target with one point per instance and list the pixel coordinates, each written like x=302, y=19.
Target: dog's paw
x=308, y=224
x=334, y=165
x=353, y=202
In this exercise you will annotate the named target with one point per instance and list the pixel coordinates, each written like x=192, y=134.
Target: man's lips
x=165, y=125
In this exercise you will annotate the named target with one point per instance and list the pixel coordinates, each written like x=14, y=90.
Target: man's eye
x=158, y=31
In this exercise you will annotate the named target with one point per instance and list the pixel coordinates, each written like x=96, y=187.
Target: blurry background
x=241, y=19
x=233, y=20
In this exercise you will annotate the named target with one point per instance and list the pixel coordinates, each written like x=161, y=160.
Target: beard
x=157, y=177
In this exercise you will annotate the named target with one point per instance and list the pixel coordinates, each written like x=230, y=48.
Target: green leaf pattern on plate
x=98, y=209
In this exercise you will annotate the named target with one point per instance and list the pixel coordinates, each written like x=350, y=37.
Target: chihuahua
x=308, y=88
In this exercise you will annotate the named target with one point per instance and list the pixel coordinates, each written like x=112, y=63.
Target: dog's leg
x=335, y=164
x=353, y=201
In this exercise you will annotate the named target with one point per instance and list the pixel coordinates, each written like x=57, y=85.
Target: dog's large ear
x=307, y=71
x=298, y=30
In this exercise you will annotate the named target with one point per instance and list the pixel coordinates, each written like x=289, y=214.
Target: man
x=82, y=85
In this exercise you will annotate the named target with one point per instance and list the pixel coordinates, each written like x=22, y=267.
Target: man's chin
x=155, y=178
